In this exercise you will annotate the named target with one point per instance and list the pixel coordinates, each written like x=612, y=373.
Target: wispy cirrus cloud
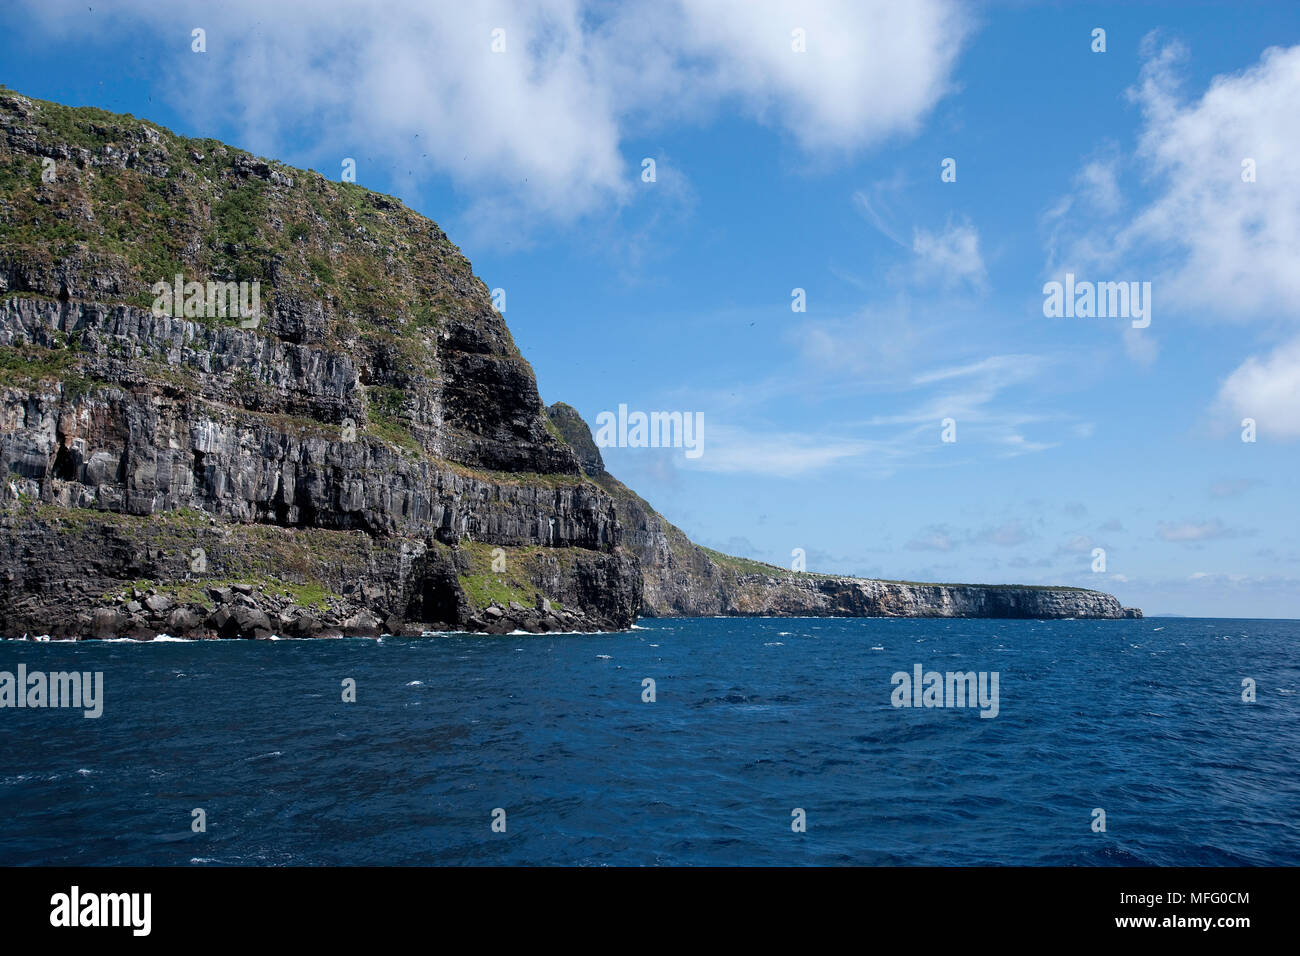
x=1232, y=487
x=1193, y=531
x=733, y=449
x=949, y=256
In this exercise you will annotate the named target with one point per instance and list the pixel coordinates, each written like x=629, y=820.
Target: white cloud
x=1140, y=345
x=874, y=204
x=876, y=345
x=1231, y=487
x=1006, y=535
x=1099, y=183
x=972, y=394
x=999, y=369
x=952, y=255
x=1194, y=531
x=1239, y=240
x=1211, y=243
x=1267, y=390
x=540, y=128
x=783, y=455
x=931, y=539
x=1079, y=544
x=871, y=68
x=1207, y=240
x=1020, y=445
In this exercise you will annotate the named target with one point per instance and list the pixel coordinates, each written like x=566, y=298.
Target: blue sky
x=820, y=170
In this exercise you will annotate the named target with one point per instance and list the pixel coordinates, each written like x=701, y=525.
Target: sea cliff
x=366, y=454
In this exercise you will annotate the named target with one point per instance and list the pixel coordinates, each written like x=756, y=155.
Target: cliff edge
x=238, y=399
x=683, y=579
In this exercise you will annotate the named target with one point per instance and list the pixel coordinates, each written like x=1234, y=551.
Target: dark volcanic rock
x=370, y=455
x=574, y=430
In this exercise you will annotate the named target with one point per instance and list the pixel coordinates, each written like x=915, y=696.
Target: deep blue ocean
x=752, y=719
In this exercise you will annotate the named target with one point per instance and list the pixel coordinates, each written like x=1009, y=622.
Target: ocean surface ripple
x=753, y=719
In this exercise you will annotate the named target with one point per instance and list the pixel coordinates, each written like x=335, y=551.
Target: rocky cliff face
x=369, y=454
x=682, y=579
x=365, y=452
